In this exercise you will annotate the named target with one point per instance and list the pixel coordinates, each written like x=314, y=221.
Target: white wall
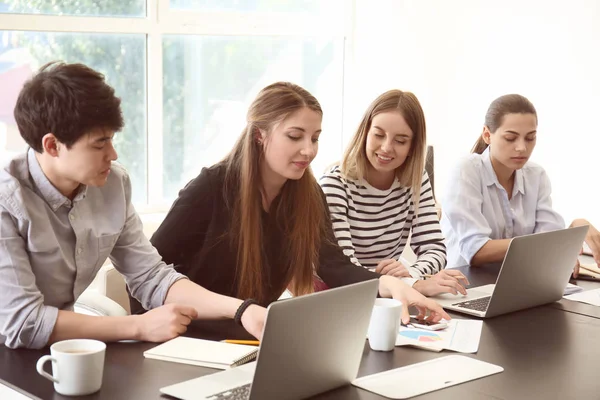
x=457, y=56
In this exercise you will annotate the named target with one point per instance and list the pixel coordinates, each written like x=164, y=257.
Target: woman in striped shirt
x=380, y=194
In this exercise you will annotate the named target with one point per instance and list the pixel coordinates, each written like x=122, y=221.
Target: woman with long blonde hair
x=257, y=222
x=380, y=194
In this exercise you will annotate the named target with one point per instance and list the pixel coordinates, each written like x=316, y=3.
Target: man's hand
x=445, y=281
x=253, y=320
x=164, y=323
x=393, y=268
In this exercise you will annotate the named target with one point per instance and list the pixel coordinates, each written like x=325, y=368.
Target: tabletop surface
x=545, y=352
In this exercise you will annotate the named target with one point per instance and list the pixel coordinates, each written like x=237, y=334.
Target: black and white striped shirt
x=373, y=225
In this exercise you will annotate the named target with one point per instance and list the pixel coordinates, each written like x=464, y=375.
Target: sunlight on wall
x=457, y=56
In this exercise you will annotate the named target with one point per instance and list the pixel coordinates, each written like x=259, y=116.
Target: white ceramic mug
x=384, y=325
x=77, y=366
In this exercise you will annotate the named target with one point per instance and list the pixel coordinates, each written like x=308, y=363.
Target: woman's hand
x=445, y=281
x=393, y=268
x=592, y=238
x=253, y=320
x=395, y=288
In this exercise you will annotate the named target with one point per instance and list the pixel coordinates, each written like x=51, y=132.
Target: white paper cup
x=384, y=325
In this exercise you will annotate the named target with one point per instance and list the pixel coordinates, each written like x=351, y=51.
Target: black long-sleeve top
x=195, y=238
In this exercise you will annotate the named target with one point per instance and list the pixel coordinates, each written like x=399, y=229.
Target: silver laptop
x=311, y=344
x=535, y=271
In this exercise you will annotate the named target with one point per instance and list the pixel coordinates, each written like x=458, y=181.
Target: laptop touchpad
x=208, y=385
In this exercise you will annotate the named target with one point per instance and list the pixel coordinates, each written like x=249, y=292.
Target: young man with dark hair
x=65, y=207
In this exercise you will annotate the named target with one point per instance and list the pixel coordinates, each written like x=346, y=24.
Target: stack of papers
x=461, y=335
x=570, y=289
x=589, y=270
x=589, y=296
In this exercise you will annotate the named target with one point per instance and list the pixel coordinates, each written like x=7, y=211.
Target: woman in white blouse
x=497, y=194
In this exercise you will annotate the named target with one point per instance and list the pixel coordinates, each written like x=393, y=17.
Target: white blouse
x=476, y=207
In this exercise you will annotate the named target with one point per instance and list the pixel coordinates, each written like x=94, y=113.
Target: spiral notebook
x=204, y=353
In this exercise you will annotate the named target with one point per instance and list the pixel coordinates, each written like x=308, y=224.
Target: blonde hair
x=355, y=164
x=299, y=210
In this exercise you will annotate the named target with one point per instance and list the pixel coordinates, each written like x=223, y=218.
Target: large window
x=117, y=56
x=104, y=8
x=210, y=81
x=185, y=70
x=293, y=6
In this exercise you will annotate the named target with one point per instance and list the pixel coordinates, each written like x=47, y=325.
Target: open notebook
x=204, y=353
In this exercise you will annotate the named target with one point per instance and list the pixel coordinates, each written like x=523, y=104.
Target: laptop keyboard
x=238, y=393
x=480, y=304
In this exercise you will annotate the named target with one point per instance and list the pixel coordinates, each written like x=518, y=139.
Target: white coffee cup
x=384, y=325
x=77, y=366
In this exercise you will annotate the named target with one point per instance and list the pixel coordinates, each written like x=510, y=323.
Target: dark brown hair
x=503, y=105
x=67, y=100
x=299, y=209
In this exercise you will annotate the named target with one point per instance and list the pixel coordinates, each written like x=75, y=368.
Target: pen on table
x=248, y=342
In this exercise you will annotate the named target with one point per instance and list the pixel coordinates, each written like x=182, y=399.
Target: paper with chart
x=588, y=296
x=461, y=335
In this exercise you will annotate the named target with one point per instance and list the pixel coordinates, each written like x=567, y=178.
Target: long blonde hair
x=299, y=210
x=355, y=164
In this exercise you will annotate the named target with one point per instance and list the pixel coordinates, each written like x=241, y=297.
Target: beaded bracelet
x=240, y=311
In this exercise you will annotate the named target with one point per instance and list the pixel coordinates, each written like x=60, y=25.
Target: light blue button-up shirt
x=476, y=207
x=51, y=249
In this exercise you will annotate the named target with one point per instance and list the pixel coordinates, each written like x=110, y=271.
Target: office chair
x=97, y=304
x=429, y=168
